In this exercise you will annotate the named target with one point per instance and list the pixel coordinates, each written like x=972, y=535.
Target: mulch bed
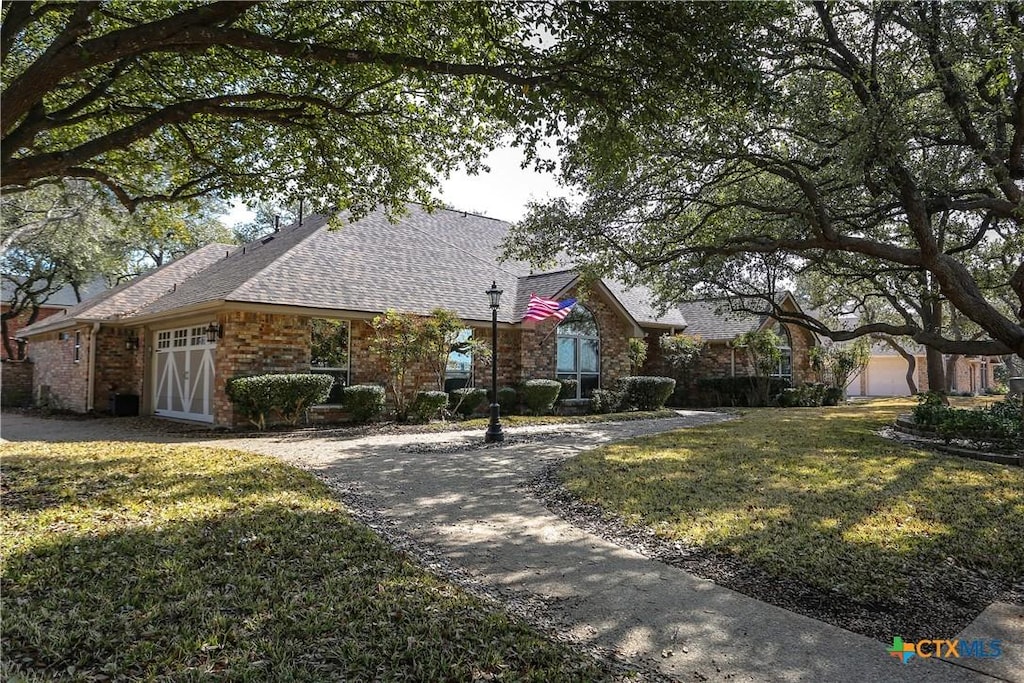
x=940, y=604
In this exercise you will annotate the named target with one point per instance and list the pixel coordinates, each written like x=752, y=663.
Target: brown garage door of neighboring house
x=183, y=374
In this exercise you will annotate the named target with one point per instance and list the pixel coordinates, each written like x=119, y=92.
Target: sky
x=502, y=193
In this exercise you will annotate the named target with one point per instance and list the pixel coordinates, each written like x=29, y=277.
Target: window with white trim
x=785, y=367
x=329, y=352
x=78, y=346
x=578, y=351
x=459, y=369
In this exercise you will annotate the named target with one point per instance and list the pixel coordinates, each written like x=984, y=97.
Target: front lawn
x=136, y=561
x=814, y=495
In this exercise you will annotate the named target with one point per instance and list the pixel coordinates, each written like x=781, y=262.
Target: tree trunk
x=936, y=369
x=909, y=357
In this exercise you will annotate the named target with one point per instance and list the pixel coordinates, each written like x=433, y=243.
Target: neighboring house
x=173, y=336
x=886, y=372
x=56, y=303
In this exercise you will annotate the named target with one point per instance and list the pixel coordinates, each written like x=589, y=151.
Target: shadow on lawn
x=272, y=593
x=815, y=496
x=33, y=482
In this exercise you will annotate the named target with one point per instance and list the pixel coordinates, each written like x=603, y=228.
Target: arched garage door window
x=578, y=346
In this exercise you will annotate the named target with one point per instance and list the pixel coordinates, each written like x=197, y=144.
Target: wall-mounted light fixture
x=214, y=331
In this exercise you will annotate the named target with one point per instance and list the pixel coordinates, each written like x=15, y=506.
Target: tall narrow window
x=785, y=368
x=578, y=347
x=459, y=370
x=78, y=346
x=329, y=346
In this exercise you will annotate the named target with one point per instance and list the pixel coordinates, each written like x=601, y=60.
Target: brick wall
x=256, y=344
x=16, y=383
x=537, y=344
x=58, y=379
x=118, y=368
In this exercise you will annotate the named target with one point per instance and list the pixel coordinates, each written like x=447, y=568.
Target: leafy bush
x=930, y=409
x=568, y=389
x=997, y=390
x=253, y=397
x=427, y=404
x=508, y=399
x=364, y=402
x=287, y=394
x=738, y=391
x=604, y=401
x=810, y=395
x=1000, y=425
x=539, y=395
x=465, y=401
x=645, y=393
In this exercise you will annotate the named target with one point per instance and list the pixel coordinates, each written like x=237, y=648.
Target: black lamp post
x=494, y=433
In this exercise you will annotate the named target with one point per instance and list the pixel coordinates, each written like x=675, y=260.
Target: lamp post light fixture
x=494, y=433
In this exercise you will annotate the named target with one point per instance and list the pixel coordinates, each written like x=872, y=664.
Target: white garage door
x=887, y=376
x=183, y=374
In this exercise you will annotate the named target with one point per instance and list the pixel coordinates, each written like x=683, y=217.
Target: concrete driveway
x=471, y=505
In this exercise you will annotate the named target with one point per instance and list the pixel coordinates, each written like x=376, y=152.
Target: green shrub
x=427, y=405
x=999, y=389
x=645, y=393
x=253, y=397
x=810, y=395
x=930, y=409
x=364, y=402
x=539, y=395
x=1008, y=408
x=738, y=391
x=508, y=399
x=287, y=394
x=980, y=428
x=568, y=389
x=604, y=401
x=833, y=396
x=466, y=400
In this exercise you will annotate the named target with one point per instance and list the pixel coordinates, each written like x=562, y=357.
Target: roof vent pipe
x=300, y=211
x=277, y=223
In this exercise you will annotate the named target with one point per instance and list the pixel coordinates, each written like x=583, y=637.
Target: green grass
x=814, y=494
x=136, y=561
x=527, y=420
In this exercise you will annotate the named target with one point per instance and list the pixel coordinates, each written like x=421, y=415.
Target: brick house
x=173, y=336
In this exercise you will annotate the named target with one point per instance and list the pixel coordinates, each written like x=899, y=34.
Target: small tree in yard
x=397, y=341
x=681, y=352
x=763, y=348
x=637, y=354
x=404, y=339
x=836, y=365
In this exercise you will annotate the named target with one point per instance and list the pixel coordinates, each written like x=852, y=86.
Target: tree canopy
x=885, y=143
x=349, y=104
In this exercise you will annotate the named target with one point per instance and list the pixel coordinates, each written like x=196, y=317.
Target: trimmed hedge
x=539, y=395
x=465, y=401
x=364, y=402
x=568, y=389
x=738, y=391
x=427, y=404
x=646, y=393
x=508, y=399
x=287, y=394
x=604, y=401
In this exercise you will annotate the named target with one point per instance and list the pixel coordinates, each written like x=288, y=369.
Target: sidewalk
x=471, y=504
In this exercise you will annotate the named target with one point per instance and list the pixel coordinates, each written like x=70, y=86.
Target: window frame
x=577, y=342
x=78, y=346
x=334, y=370
x=786, y=349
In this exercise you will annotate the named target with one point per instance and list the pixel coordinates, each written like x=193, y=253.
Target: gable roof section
x=130, y=297
x=426, y=260
x=716, y=320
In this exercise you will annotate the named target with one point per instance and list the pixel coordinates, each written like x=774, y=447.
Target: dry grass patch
x=136, y=561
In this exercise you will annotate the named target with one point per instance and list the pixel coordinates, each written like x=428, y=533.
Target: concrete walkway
x=473, y=507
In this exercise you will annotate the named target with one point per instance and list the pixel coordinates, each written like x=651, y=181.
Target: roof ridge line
x=285, y=256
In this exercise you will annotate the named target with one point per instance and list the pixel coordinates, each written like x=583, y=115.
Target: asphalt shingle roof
x=129, y=298
x=426, y=260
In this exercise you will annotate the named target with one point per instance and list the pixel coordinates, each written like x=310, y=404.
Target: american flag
x=541, y=309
